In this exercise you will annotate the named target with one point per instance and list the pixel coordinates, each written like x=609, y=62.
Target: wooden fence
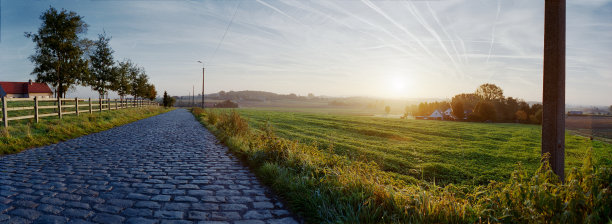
x=32, y=107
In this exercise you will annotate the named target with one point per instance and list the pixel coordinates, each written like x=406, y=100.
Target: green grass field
x=440, y=151
x=354, y=169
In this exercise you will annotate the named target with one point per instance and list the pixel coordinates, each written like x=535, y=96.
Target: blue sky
x=338, y=48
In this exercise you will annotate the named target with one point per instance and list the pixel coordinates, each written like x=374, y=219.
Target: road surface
x=163, y=169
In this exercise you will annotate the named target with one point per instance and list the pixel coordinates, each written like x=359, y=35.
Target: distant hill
x=250, y=95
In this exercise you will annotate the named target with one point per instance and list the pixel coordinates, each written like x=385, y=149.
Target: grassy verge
x=325, y=187
x=24, y=134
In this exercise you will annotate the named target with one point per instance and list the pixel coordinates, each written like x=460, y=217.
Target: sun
x=397, y=84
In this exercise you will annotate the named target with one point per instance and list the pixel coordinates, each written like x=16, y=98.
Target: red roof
x=25, y=87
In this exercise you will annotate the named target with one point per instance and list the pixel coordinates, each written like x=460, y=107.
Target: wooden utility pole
x=202, y=86
x=553, y=113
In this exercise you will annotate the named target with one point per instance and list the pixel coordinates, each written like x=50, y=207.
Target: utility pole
x=193, y=95
x=202, y=83
x=553, y=112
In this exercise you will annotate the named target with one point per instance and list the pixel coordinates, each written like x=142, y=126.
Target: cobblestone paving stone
x=163, y=169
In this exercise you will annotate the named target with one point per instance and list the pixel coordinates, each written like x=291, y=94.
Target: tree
x=521, y=116
x=58, y=59
x=536, y=118
x=226, y=104
x=122, y=82
x=151, y=92
x=139, y=82
x=102, y=72
x=457, y=107
x=490, y=92
x=485, y=111
x=610, y=108
x=167, y=101
x=469, y=100
x=387, y=109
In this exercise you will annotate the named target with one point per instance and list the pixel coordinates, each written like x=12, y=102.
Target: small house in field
x=448, y=112
x=25, y=90
x=436, y=115
x=574, y=112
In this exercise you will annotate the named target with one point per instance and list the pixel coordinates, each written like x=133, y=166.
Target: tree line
x=487, y=103
x=63, y=58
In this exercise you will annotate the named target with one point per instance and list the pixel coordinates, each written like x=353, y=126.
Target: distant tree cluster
x=64, y=59
x=226, y=104
x=249, y=95
x=487, y=103
x=168, y=101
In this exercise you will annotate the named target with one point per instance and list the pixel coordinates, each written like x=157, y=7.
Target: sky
x=392, y=49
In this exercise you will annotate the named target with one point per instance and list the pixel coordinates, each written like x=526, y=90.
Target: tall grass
x=24, y=134
x=324, y=187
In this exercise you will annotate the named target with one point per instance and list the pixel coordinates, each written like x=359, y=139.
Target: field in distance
x=445, y=152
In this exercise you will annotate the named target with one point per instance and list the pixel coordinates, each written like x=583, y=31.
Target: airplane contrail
x=465, y=58
x=493, y=31
x=399, y=26
x=433, y=14
x=277, y=10
x=434, y=33
x=380, y=28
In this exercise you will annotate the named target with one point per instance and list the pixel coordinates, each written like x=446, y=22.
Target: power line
x=225, y=33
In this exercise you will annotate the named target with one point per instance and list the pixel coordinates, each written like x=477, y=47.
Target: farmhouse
x=436, y=115
x=24, y=90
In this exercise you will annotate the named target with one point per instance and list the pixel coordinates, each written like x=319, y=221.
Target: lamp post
x=202, y=83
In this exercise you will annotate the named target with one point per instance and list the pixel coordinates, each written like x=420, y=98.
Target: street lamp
x=202, y=82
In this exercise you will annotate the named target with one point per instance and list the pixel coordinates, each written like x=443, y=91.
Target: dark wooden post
x=100, y=102
x=116, y=105
x=36, y=109
x=553, y=112
x=59, y=107
x=90, y=108
x=4, y=112
x=76, y=105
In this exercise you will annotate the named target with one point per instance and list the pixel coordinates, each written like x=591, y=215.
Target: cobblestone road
x=163, y=169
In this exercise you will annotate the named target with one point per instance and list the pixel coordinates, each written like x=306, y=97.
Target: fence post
x=4, y=112
x=90, y=109
x=109, y=104
x=36, y=108
x=116, y=105
x=59, y=107
x=100, y=102
x=76, y=105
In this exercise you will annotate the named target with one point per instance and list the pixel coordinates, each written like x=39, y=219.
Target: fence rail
x=63, y=106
